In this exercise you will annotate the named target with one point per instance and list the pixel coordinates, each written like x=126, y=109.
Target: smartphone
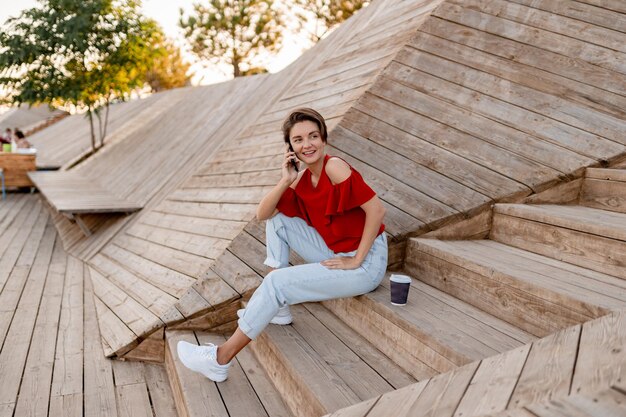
x=294, y=163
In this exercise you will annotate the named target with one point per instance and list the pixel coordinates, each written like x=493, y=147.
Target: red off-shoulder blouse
x=332, y=209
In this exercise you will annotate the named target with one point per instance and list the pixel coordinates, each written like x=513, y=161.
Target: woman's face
x=307, y=142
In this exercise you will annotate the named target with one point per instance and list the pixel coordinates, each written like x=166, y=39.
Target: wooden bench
x=73, y=195
x=16, y=167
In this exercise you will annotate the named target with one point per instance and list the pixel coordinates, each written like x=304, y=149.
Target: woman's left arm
x=374, y=215
x=338, y=170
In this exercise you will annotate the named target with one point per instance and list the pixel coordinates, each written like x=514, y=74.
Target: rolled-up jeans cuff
x=247, y=329
x=272, y=263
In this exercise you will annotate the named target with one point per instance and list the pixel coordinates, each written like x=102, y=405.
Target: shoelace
x=209, y=353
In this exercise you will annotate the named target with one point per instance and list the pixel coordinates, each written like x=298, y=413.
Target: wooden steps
x=316, y=365
x=604, y=189
x=534, y=292
x=319, y=364
x=246, y=392
x=433, y=333
x=584, y=236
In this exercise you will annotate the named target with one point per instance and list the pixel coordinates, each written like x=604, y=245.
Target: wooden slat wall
x=582, y=360
x=489, y=101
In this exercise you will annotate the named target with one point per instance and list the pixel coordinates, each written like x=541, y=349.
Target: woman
x=325, y=213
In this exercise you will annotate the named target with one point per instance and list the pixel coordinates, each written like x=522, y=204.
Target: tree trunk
x=93, y=134
x=106, y=122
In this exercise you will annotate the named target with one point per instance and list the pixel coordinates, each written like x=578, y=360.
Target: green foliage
x=327, y=14
x=85, y=53
x=233, y=31
x=168, y=69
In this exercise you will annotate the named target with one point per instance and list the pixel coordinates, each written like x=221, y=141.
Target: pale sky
x=166, y=12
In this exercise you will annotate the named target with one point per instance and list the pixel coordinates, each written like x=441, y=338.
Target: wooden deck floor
x=51, y=358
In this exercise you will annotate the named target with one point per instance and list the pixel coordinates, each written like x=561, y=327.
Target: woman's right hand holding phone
x=289, y=173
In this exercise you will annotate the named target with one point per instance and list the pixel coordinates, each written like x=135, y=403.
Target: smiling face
x=307, y=142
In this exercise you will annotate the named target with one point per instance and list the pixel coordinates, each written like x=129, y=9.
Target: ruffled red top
x=332, y=209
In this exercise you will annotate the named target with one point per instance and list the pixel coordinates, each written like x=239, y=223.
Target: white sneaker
x=283, y=317
x=202, y=359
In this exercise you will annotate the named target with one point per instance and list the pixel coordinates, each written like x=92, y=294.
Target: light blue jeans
x=308, y=282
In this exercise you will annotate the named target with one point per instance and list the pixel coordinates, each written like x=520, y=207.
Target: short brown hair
x=300, y=115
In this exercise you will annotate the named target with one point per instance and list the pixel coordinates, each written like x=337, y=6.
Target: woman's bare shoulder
x=337, y=170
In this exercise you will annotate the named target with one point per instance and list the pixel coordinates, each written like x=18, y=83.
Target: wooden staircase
x=544, y=267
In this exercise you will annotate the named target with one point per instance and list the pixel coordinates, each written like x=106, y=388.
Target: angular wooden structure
x=493, y=131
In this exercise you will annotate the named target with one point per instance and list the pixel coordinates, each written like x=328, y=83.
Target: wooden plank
x=508, y=299
x=553, y=42
x=365, y=349
x=527, y=97
x=169, y=281
x=476, y=227
x=492, y=384
x=361, y=378
x=604, y=195
x=298, y=396
x=398, y=402
x=34, y=395
x=139, y=319
x=69, y=405
x=151, y=349
x=566, y=193
x=133, y=400
x=558, y=94
x=99, y=389
x=535, y=17
x=151, y=297
x=580, y=11
x=213, y=289
x=205, y=246
x=548, y=370
x=193, y=211
x=67, y=378
x=606, y=174
x=576, y=73
x=238, y=394
x=160, y=391
x=579, y=248
x=392, y=127
x=127, y=372
x=592, y=221
x=183, y=263
x=601, y=357
x=236, y=273
x=357, y=410
x=219, y=226
x=254, y=252
x=18, y=252
x=411, y=352
x=18, y=339
x=444, y=392
x=422, y=76
x=267, y=393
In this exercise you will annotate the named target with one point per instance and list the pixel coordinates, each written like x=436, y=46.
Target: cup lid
x=402, y=279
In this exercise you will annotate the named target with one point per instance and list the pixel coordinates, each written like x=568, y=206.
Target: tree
x=168, y=70
x=86, y=53
x=233, y=31
x=327, y=14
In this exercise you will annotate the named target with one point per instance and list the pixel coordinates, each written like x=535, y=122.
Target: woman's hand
x=289, y=173
x=342, y=262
